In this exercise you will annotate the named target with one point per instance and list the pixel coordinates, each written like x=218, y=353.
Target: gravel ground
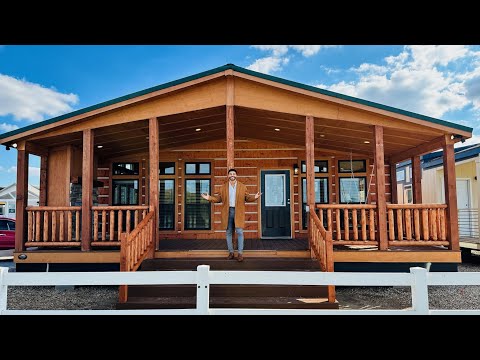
x=105, y=297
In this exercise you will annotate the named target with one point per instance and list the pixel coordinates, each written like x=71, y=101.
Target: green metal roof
x=244, y=71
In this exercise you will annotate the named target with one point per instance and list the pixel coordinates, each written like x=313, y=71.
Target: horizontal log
x=125, y=207
x=346, y=206
x=53, y=208
x=106, y=243
x=354, y=242
x=418, y=243
x=416, y=206
x=56, y=243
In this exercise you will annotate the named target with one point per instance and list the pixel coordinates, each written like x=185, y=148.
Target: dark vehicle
x=7, y=233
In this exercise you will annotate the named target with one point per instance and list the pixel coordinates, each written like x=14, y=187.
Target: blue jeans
x=231, y=225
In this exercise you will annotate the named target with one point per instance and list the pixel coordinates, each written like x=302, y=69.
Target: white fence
x=418, y=280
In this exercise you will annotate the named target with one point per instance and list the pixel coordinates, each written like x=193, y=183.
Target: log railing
x=110, y=221
x=349, y=224
x=322, y=247
x=417, y=224
x=135, y=246
x=53, y=225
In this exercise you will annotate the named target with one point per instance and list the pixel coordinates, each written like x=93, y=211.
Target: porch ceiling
x=181, y=129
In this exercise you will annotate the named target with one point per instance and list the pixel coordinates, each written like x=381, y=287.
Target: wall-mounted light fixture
x=295, y=169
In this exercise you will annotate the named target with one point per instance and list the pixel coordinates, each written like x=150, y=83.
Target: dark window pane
x=356, y=166
x=167, y=204
x=167, y=168
x=204, y=168
x=125, y=192
x=321, y=166
x=126, y=168
x=190, y=168
x=321, y=196
x=3, y=225
x=11, y=225
x=197, y=210
x=352, y=190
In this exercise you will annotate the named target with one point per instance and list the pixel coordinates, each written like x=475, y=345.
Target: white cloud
x=279, y=58
x=415, y=80
x=269, y=64
x=4, y=127
x=32, y=171
x=30, y=101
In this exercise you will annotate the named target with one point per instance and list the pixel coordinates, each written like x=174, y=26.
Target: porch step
x=268, y=302
x=251, y=264
x=143, y=291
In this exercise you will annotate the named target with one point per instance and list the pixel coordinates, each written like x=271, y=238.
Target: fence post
x=419, y=290
x=203, y=289
x=3, y=290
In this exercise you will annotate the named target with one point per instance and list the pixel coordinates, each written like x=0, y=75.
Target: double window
x=197, y=210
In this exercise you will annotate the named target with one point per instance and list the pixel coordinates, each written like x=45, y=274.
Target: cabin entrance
x=275, y=199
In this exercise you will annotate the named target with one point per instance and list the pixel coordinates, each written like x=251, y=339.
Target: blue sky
x=40, y=82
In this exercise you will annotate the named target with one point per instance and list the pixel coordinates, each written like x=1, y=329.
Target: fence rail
x=418, y=280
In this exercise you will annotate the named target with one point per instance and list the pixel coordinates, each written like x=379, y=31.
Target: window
x=11, y=225
x=408, y=195
x=321, y=196
x=356, y=166
x=401, y=175
x=352, y=190
x=167, y=204
x=3, y=225
x=200, y=168
x=321, y=166
x=1, y=210
x=197, y=210
x=167, y=168
x=125, y=192
x=126, y=168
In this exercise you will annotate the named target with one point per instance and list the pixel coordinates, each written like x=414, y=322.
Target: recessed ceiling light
x=366, y=142
x=321, y=135
x=99, y=146
x=198, y=129
x=147, y=137
x=277, y=129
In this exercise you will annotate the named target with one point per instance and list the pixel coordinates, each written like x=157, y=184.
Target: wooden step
x=251, y=264
x=228, y=291
x=189, y=302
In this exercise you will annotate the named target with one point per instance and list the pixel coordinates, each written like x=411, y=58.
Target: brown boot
x=230, y=256
x=240, y=258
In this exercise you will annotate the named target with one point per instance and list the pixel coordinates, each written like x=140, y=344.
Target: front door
x=275, y=188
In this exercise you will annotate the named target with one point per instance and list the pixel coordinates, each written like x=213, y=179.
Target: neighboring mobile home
x=8, y=199
x=106, y=167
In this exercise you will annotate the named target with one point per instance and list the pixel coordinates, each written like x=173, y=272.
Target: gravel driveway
x=105, y=297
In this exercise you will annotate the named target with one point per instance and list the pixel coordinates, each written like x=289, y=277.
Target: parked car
x=7, y=233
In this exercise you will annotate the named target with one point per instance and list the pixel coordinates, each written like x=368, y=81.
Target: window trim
x=126, y=162
x=197, y=168
x=315, y=162
x=175, y=207
x=340, y=190
x=139, y=194
x=365, y=167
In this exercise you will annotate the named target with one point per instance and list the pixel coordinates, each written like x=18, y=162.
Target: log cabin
x=121, y=180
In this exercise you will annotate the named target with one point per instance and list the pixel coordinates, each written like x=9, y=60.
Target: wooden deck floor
x=221, y=244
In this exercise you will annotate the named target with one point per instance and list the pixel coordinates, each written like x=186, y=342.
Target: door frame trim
x=292, y=202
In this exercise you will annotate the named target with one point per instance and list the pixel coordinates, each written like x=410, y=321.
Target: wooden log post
x=43, y=181
x=87, y=189
x=380, y=188
x=310, y=162
x=230, y=123
x=450, y=183
x=154, y=169
x=22, y=199
x=393, y=183
x=417, y=180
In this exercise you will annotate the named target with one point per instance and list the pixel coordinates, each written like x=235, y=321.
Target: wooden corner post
x=310, y=162
x=153, y=166
x=87, y=189
x=450, y=183
x=380, y=188
x=43, y=180
x=22, y=199
x=230, y=125
x=417, y=179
